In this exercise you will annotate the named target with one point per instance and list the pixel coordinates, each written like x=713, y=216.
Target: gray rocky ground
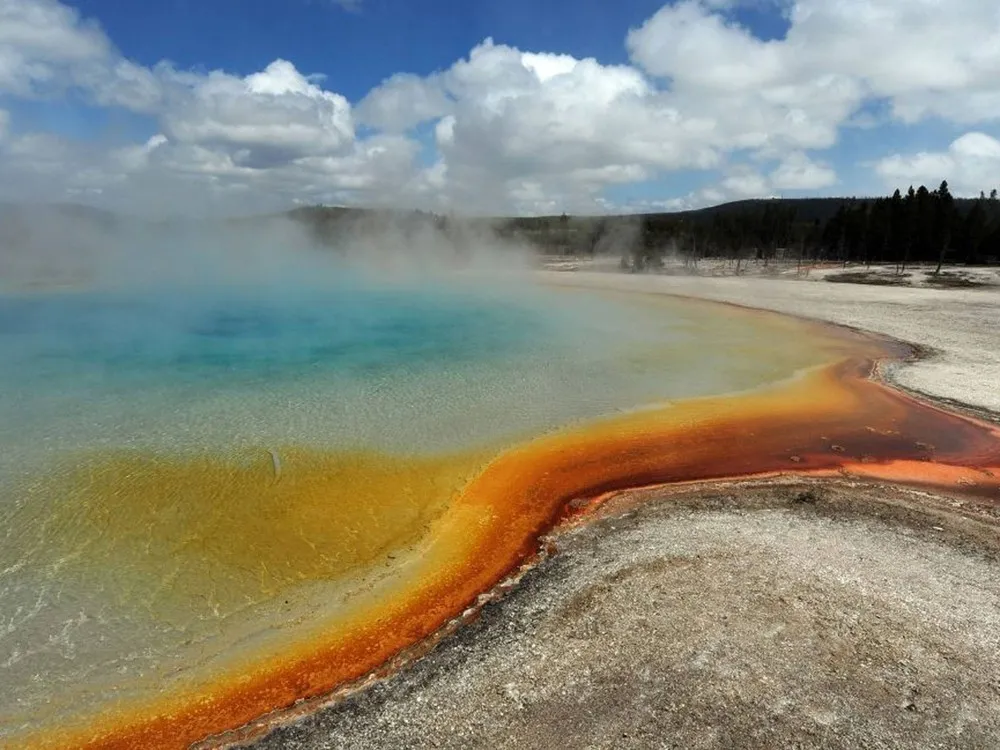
x=790, y=615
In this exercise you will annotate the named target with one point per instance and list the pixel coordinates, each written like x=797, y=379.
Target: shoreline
x=952, y=326
x=622, y=504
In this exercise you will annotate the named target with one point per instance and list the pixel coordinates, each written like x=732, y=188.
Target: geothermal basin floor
x=759, y=615
x=784, y=615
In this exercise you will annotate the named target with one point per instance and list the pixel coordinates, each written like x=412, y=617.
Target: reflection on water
x=193, y=484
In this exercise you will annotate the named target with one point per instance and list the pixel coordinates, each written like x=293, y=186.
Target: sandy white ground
x=962, y=325
x=748, y=620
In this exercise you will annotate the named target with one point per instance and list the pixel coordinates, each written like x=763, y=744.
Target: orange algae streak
x=832, y=419
x=189, y=540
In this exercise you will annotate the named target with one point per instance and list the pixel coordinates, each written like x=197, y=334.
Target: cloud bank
x=505, y=130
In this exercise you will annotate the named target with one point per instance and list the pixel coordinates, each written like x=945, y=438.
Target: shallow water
x=381, y=367
x=197, y=482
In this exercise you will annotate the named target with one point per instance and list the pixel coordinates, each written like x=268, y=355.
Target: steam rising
x=74, y=248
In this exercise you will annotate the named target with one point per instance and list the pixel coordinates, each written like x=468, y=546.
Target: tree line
x=920, y=226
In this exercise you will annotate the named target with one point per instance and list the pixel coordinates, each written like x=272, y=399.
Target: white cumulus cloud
x=403, y=101
x=271, y=116
x=505, y=129
x=798, y=172
x=970, y=164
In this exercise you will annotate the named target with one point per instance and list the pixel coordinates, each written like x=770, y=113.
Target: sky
x=227, y=107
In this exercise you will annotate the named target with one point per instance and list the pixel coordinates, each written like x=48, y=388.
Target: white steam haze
x=46, y=248
x=510, y=131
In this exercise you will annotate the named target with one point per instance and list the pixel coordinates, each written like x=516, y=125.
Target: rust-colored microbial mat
x=490, y=513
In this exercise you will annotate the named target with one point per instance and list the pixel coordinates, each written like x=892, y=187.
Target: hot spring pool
x=196, y=484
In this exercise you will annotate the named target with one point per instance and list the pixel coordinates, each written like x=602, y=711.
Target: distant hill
x=806, y=210
x=562, y=234
x=927, y=227
x=68, y=211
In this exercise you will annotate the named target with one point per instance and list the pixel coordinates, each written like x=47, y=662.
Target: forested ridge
x=915, y=226
x=918, y=226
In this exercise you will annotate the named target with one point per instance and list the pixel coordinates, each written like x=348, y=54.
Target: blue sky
x=357, y=50
x=517, y=107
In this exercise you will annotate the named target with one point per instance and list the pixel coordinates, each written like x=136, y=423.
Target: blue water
x=421, y=366
x=121, y=338
x=351, y=364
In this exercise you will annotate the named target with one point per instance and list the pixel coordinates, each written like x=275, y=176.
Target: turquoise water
x=117, y=338
x=407, y=367
x=404, y=367
x=80, y=369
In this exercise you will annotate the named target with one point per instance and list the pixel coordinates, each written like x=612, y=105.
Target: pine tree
x=944, y=220
x=974, y=230
x=909, y=227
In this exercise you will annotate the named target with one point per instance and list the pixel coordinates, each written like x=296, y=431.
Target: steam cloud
x=48, y=248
